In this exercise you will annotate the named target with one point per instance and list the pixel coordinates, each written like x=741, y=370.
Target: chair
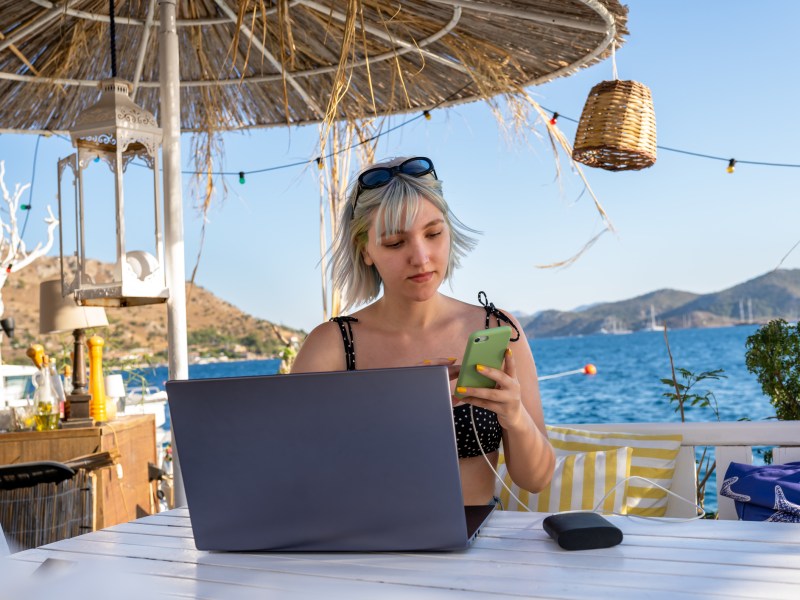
x=43, y=502
x=732, y=442
x=4, y=549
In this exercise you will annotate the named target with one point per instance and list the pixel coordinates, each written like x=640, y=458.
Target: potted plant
x=773, y=355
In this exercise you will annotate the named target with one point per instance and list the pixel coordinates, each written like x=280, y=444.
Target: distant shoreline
x=202, y=361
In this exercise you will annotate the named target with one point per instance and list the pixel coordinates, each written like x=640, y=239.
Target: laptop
x=343, y=461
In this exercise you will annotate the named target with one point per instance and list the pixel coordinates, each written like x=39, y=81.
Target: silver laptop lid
x=359, y=460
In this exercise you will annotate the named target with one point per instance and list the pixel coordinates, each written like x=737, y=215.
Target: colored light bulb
x=731, y=165
x=427, y=115
x=241, y=177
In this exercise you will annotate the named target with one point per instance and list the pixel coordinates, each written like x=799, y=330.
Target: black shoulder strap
x=347, y=338
x=498, y=314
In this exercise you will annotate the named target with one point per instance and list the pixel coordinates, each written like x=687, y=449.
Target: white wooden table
x=155, y=557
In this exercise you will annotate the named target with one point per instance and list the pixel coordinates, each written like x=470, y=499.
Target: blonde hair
x=396, y=204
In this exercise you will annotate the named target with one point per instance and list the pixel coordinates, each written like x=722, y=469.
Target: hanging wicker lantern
x=617, y=130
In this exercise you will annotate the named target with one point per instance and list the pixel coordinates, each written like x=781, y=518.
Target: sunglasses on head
x=380, y=176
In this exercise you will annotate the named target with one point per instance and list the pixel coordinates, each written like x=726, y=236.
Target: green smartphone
x=485, y=347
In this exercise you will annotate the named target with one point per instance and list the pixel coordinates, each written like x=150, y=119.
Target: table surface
x=512, y=556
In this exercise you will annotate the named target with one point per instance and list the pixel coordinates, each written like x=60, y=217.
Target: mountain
x=215, y=327
x=773, y=295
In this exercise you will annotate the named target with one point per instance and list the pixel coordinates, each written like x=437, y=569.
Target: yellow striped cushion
x=579, y=482
x=653, y=457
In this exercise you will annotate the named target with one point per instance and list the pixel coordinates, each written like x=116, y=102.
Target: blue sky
x=724, y=82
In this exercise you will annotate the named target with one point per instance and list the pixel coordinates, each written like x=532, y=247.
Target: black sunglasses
x=380, y=176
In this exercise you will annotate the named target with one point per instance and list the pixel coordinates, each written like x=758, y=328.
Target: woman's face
x=411, y=263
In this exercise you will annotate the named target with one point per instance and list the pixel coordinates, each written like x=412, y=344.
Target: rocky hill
x=215, y=327
x=773, y=295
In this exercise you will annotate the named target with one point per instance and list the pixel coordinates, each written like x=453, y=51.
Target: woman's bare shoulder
x=465, y=311
x=322, y=350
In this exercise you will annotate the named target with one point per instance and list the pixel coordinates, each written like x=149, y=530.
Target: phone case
x=485, y=347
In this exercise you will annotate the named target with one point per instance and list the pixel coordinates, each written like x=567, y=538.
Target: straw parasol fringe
x=21, y=56
x=414, y=39
x=344, y=72
x=287, y=38
x=563, y=264
x=521, y=123
x=348, y=141
x=562, y=141
x=558, y=138
x=409, y=57
x=207, y=149
x=326, y=60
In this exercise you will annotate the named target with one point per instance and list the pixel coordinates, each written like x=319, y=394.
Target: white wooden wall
x=732, y=441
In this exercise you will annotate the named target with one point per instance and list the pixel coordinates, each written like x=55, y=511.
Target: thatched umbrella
x=262, y=63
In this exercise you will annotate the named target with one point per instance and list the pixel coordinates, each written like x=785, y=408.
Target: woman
x=397, y=233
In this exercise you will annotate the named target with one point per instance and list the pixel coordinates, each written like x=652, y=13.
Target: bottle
x=67, y=371
x=36, y=354
x=58, y=387
x=45, y=404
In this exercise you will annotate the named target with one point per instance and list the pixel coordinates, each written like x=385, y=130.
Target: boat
x=653, y=326
x=141, y=400
x=149, y=399
x=17, y=381
x=614, y=327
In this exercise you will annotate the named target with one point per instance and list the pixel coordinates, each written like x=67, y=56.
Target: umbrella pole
x=173, y=210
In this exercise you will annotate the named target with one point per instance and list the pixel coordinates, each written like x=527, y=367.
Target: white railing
x=732, y=442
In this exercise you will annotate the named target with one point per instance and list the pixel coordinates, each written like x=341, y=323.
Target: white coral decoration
x=13, y=255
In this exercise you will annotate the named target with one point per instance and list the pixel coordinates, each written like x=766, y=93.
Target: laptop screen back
x=359, y=460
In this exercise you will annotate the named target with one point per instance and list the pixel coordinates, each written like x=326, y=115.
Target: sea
x=627, y=385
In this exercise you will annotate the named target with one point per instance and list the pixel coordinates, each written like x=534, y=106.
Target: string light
x=25, y=206
x=241, y=177
x=97, y=159
x=427, y=115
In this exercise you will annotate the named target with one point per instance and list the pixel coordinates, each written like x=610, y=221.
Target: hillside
x=215, y=327
x=773, y=295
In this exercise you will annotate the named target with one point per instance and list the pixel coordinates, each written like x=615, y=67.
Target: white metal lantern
x=113, y=132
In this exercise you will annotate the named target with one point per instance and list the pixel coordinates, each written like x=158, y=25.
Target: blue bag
x=764, y=492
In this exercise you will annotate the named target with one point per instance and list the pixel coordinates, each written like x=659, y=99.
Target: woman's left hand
x=505, y=398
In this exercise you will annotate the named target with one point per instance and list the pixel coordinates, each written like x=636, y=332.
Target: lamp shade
x=57, y=313
x=115, y=386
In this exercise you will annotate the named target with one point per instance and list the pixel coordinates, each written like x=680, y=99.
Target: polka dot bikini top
x=489, y=430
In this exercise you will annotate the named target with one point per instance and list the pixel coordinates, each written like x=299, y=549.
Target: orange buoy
x=590, y=369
